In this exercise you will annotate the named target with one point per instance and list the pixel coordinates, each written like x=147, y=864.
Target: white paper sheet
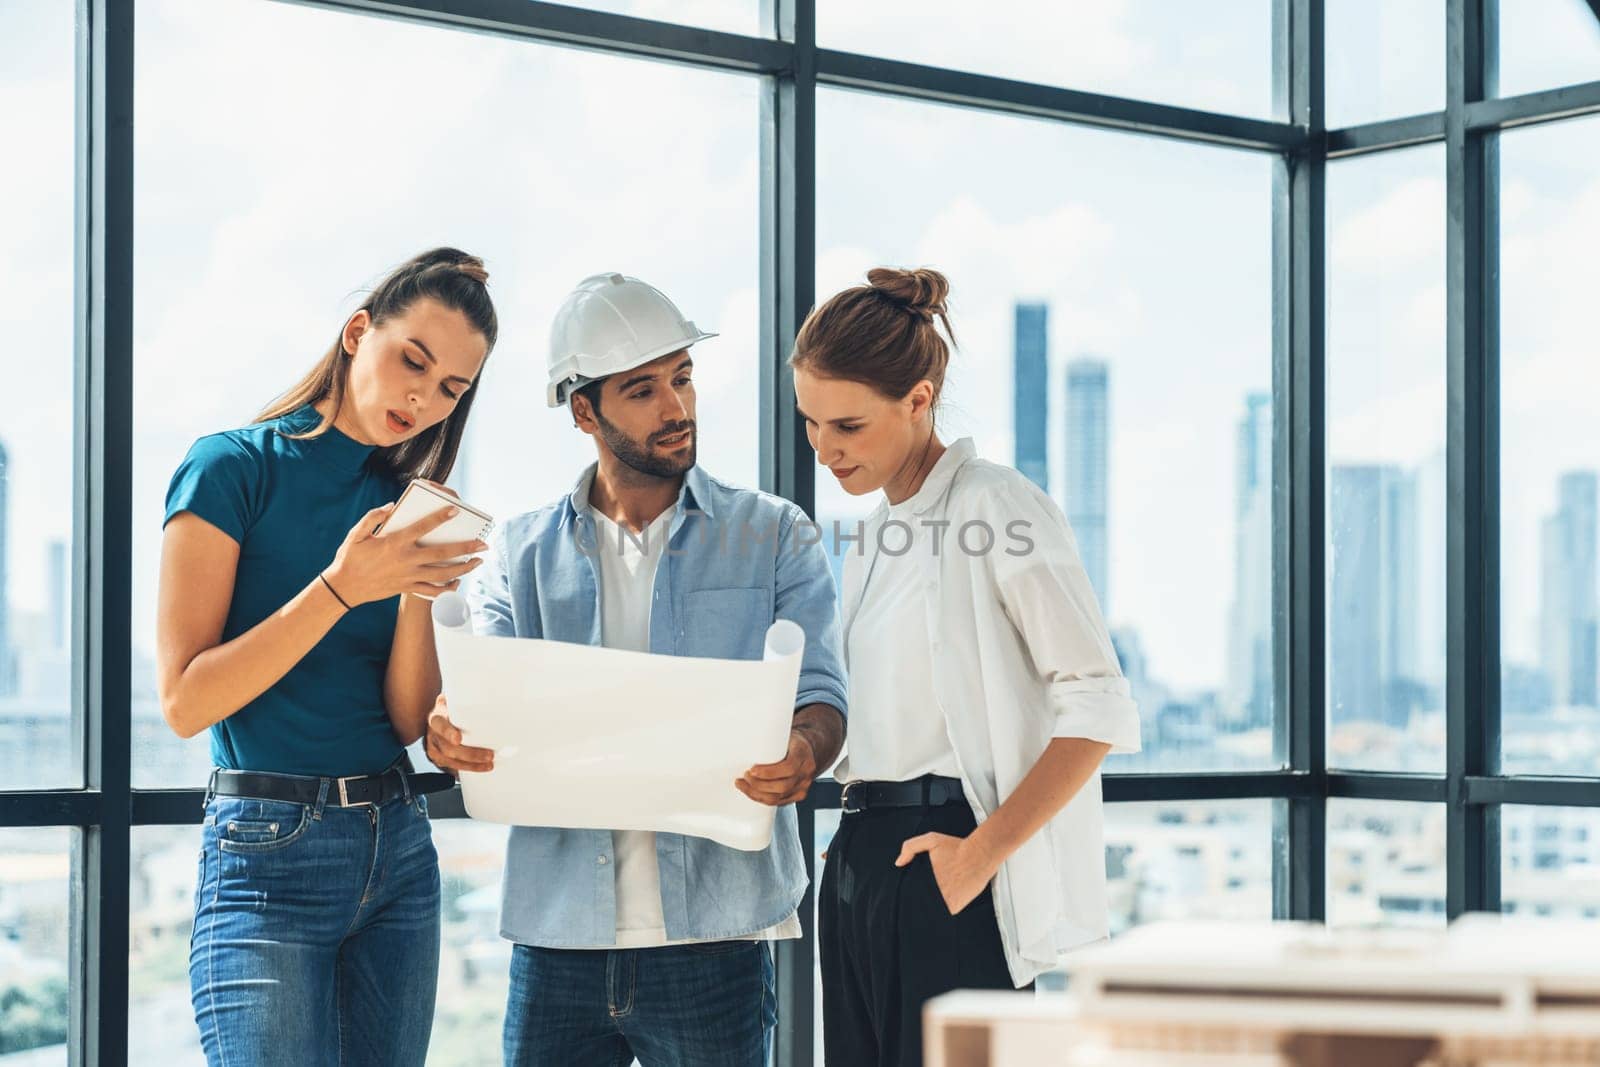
x=599, y=738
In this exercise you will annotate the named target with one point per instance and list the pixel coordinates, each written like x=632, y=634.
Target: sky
x=268, y=195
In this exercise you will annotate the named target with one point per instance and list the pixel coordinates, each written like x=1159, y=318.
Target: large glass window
x=1545, y=44
x=311, y=182
x=1113, y=295
x=1384, y=59
x=1217, y=57
x=1386, y=435
x=35, y=925
x=1115, y=329
x=38, y=734
x=1549, y=467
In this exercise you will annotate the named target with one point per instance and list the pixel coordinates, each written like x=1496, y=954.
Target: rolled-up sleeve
x=1046, y=594
x=807, y=596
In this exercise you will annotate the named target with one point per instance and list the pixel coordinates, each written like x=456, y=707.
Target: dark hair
x=456, y=280
x=590, y=391
x=882, y=334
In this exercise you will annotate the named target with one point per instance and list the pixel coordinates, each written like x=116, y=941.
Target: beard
x=642, y=458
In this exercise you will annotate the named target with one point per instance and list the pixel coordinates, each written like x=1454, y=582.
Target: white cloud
x=1403, y=228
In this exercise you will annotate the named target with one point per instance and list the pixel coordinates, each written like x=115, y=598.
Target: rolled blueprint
x=599, y=738
x=450, y=612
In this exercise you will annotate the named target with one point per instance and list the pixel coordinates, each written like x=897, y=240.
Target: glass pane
x=1386, y=435
x=1142, y=268
x=1215, y=57
x=1549, y=466
x=1545, y=44
x=1549, y=863
x=35, y=925
x=1385, y=863
x=474, y=960
x=1189, y=860
x=1384, y=59
x=729, y=16
x=165, y=863
x=279, y=219
x=38, y=737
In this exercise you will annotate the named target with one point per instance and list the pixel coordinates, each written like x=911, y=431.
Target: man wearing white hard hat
x=627, y=943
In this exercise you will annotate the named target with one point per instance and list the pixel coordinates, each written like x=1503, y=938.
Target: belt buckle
x=344, y=794
x=844, y=802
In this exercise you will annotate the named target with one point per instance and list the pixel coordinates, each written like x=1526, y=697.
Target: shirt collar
x=331, y=447
x=937, y=483
x=695, y=495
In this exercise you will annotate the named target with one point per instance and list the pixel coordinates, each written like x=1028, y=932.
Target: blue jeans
x=706, y=1005
x=316, y=934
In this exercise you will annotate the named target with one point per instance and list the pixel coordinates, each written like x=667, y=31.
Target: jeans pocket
x=261, y=826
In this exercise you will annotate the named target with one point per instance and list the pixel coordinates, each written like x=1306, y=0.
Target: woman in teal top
x=285, y=630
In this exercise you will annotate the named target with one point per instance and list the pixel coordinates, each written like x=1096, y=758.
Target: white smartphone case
x=421, y=500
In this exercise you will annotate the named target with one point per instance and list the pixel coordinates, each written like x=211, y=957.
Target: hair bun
x=454, y=259
x=921, y=290
x=473, y=268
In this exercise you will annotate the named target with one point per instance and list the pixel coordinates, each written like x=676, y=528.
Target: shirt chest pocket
x=724, y=623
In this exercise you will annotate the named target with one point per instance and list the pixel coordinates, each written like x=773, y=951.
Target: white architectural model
x=1488, y=992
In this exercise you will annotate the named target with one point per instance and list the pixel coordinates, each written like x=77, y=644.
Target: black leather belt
x=353, y=791
x=929, y=791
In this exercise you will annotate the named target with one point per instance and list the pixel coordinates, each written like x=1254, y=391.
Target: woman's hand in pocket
x=961, y=870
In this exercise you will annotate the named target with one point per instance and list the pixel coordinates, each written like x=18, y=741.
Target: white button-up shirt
x=1020, y=656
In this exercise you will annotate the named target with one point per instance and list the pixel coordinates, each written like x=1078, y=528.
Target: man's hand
x=782, y=783
x=443, y=745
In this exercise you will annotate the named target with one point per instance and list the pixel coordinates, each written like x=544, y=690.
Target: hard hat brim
x=556, y=395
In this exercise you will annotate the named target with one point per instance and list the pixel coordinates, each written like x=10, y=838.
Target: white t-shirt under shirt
x=627, y=564
x=897, y=731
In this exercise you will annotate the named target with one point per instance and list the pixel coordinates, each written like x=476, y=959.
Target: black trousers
x=889, y=942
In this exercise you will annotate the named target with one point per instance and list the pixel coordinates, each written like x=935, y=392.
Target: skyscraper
x=1567, y=591
x=8, y=659
x=1373, y=586
x=1250, y=663
x=1088, y=426
x=1031, y=403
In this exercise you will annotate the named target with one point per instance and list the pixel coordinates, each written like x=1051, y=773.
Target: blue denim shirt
x=736, y=561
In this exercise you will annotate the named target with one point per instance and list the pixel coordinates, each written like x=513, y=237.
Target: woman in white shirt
x=984, y=692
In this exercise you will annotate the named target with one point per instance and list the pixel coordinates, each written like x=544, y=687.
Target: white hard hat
x=610, y=324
